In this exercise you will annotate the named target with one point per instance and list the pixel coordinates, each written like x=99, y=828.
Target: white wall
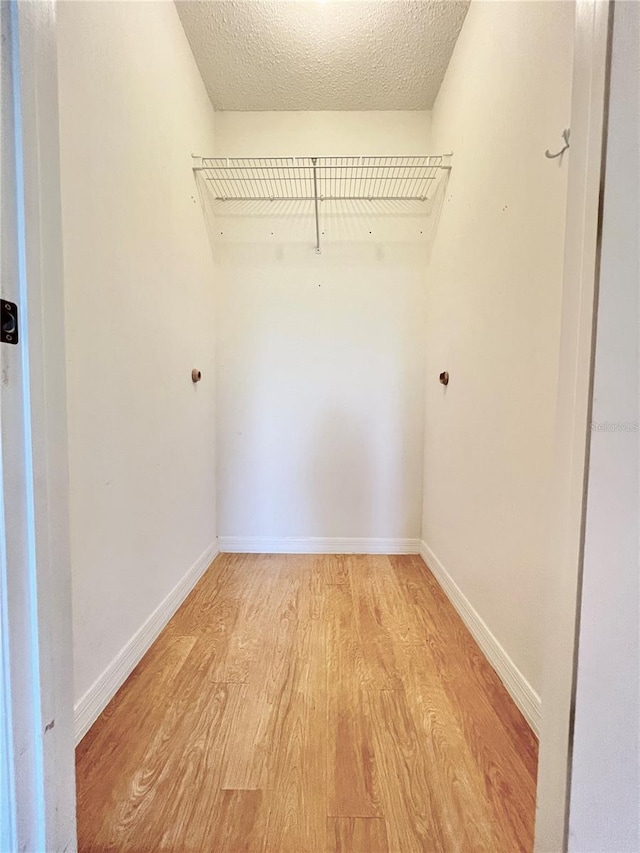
x=493, y=314
x=319, y=356
x=139, y=314
x=605, y=779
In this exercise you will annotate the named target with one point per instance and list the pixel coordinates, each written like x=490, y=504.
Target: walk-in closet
x=313, y=260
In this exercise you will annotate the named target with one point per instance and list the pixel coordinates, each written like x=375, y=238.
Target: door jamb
x=41, y=789
x=589, y=103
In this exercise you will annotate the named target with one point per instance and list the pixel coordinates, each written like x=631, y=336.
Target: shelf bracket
x=314, y=160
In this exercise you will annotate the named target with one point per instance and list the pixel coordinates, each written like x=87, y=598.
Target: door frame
x=585, y=191
x=38, y=793
x=47, y=803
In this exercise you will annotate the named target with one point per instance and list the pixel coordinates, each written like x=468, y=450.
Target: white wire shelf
x=320, y=179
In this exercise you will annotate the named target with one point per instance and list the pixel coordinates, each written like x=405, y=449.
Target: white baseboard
x=97, y=697
x=315, y=545
x=519, y=688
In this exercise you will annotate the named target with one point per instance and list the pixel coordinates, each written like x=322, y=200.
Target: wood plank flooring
x=310, y=704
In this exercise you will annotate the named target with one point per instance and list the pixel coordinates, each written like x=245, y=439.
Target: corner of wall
x=522, y=693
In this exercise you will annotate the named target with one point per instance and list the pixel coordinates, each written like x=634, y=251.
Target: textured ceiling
x=315, y=55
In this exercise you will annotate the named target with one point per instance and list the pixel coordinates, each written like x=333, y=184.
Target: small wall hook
x=565, y=136
x=444, y=378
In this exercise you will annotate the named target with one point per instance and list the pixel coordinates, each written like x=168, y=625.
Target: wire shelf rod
x=333, y=169
x=320, y=198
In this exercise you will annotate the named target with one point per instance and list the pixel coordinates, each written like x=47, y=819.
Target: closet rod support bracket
x=314, y=161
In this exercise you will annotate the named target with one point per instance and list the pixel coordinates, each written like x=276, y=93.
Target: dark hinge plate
x=9, y=322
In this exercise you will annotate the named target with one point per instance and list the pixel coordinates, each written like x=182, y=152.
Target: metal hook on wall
x=565, y=136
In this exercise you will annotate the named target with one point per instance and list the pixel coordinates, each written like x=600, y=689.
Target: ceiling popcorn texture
x=314, y=55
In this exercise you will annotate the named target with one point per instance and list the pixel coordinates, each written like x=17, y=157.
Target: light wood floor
x=303, y=704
